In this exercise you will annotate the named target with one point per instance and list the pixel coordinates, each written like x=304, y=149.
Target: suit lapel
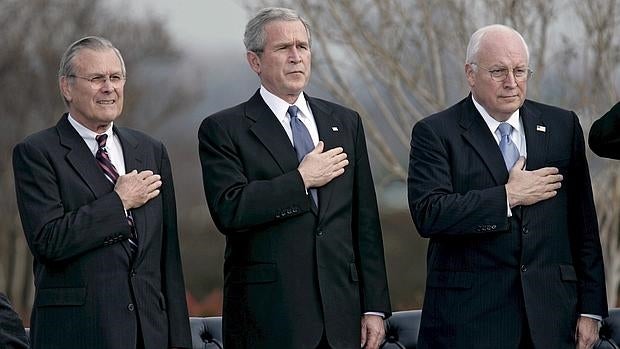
x=477, y=133
x=536, y=139
x=329, y=132
x=81, y=159
x=270, y=133
x=134, y=157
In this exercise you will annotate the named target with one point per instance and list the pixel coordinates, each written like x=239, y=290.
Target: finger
x=339, y=157
x=334, y=151
x=546, y=171
x=152, y=179
x=153, y=186
x=145, y=174
x=341, y=164
x=152, y=195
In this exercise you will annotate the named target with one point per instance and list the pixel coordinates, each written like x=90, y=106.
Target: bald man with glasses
x=500, y=186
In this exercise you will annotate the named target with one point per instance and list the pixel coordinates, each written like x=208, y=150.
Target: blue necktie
x=302, y=142
x=506, y=146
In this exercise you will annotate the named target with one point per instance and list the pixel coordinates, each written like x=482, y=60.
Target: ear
x=65, y=87
x=254, y=61
x=470, y=74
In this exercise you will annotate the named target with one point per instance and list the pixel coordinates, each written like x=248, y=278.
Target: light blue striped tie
x=506, y=145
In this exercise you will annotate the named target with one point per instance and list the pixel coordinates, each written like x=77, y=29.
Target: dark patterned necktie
x=302, y=142
x=103, y=160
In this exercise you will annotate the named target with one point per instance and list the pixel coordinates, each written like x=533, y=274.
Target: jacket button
x=320, y=233
x=523, y=268
x=130, y=307
x=133, y=273
x=525, y=230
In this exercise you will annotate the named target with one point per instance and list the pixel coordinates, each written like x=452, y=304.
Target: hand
x=529, y=187
x=318, y=168
x=586, y=333
x=136, y=189
x=373, y=331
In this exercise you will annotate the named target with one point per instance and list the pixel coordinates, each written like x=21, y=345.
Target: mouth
x=296, y=72
x=106, y=101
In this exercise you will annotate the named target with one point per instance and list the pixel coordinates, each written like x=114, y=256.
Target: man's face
x=499, y=49
x=94, y=105
x=284, y=64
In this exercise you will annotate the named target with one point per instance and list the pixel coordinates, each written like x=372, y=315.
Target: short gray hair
x=476, y=38
x=254, y=37
x=96, y=43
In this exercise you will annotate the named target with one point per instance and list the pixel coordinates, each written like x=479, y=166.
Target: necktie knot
x=292, y=111
x=101, y=140
x=505, y=129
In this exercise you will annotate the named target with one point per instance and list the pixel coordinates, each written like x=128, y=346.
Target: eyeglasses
x=500, y=74
x=97, y=81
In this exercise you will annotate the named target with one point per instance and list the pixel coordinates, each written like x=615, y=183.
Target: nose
x=510, y=80
x=294, y=55
x=107, y=84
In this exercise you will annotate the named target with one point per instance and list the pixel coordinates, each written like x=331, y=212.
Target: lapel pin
x=540, y=128
x=334, y=128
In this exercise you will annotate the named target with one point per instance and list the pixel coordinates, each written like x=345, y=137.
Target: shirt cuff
x=591, y=316
x=375, y=313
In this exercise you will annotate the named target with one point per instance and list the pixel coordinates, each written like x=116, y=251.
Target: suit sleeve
x=436, y=209
x=236, y=203
x=12, y=333
x=586, y=245
x=604, y=138
x=375, y=295
x=53, y=232
x=171, y=267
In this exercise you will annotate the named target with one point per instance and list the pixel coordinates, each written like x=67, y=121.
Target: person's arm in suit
x=55, y=233
x=586, y=245
x=236, y=203
x=12, y=333
x=374, y=293
x=435, y=206
x=604, y=138
x=179, y=335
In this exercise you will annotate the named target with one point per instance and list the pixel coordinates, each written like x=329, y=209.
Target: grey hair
x=254, y=37
x=96, y=43
x=476, y=38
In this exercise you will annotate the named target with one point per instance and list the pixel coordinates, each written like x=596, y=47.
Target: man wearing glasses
x=98, y=211
x=500, y=185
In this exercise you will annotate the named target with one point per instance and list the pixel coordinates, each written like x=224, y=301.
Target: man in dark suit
x=604, y=138
x=98, y=210
x=500, y=185
x=12, y=333
x=304, y=252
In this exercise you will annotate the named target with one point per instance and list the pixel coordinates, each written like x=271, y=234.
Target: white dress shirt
x=113, y=145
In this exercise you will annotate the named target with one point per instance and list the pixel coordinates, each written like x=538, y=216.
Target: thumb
x=319, y=147
x=363, y=335
x=520, y=164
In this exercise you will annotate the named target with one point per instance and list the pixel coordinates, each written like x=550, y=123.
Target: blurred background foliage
x=395, y=61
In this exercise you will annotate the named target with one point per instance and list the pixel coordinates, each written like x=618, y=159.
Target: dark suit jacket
x=290, y=272
x=485, y=277
x=604, y=138
x=89, y=292
x=12, y=333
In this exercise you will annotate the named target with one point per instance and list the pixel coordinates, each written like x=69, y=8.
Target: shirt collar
x=85, y=132
x=280, y=107
x=513, y=120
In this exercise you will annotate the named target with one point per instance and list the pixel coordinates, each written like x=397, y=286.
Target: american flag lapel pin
x=541, y=128
x=334, y=128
